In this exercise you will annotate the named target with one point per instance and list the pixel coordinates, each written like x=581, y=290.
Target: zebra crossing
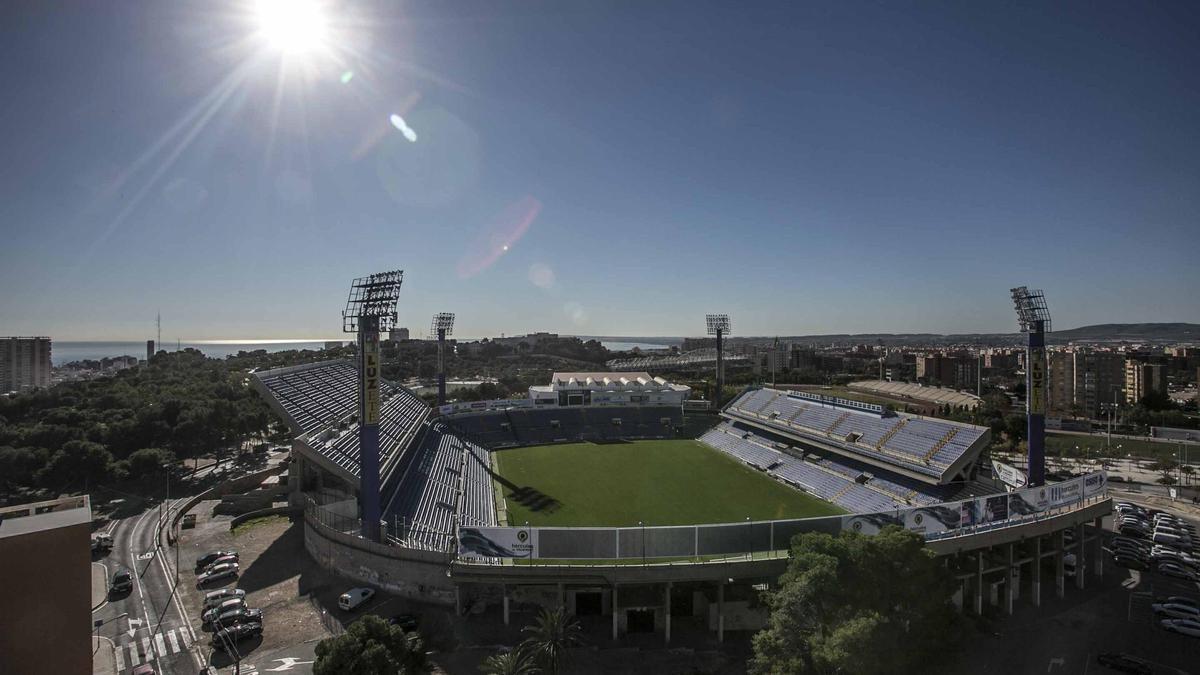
x=151, y=647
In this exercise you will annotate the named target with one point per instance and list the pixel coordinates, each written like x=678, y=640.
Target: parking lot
x=1112, y=614
x=298, y=598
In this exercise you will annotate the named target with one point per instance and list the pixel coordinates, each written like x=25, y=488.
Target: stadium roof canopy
x=932, y=450
x=611, y=382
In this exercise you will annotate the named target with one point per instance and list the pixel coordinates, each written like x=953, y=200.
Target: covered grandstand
x=932, y=451
x=908, y=391
x=695, y=360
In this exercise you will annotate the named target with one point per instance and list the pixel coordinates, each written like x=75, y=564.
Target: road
x=147, y=624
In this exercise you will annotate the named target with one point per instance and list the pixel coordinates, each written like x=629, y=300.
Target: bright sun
x=293, y=26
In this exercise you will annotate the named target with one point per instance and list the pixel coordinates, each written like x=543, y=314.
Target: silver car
x=1176, y=611
x=1186, y=627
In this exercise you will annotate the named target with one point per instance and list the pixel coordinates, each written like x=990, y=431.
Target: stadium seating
x=854, y=486
x=317, y=395
x=446, y=475
x=921, y=445
x=518, y=426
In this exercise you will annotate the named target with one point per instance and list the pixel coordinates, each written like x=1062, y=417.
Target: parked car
x=144, y=669
x=208, y=558
x=1176, y=570
x=1124, y=663
x=231, y=604
x=226, y=637
x=1187, y=627
x=122, y=582
x=236, y=616
x=214, y=598
x=1176, y=611
x=223, y=560
x=355, y=597
x=226, y=571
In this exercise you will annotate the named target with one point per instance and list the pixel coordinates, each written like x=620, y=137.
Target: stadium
x=616, y=495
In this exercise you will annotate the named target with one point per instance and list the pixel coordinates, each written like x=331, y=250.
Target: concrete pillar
x=667, y=604
x=504, y=591
x=1080, y=557
x=615, y=609
x=979, y=583
x=458, y=601
x=720, y=611
x=1060, y=578
x=562, y=594
x=1010, y=587
x=1037, y=572
x=1098, y=552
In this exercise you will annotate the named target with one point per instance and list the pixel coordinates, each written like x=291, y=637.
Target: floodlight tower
x=718, y=325
x=370, y=309
x=1034, y=318
x=443, y=326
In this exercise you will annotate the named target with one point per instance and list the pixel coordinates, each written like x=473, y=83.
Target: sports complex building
x=604, y=492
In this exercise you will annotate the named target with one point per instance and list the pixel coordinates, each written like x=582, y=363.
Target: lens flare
x=495, y=240
x=402, y=126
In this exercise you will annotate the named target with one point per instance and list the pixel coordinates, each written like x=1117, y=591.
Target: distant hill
x=1161, y=332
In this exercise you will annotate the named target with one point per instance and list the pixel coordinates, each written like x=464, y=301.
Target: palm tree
x=552, y=635
x=519, y=661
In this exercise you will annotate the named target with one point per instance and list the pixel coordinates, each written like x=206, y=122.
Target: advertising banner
x=1066, y=492
x=1094, y=483
x=498, y=542
x=971, y=512
x=872, y=523
x=995, y=508
x=1009, y=474
x=1037, y=381
x=1024, y=503
x=934, y=518
x=370, y=394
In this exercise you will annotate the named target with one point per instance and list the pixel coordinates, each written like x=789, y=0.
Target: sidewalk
x=99, y=585
x=104, y=657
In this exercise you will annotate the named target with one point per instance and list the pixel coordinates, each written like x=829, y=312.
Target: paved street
x=146, y=624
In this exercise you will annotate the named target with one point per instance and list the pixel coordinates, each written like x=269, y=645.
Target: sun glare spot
x=402, y=126
x=293, y=26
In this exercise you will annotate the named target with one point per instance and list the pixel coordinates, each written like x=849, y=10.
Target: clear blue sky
x=805, y=167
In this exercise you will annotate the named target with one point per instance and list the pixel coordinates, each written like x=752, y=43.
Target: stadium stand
x=446, y=475
x=518, y=426
x=314, y=395
x=319, y=400
x=933, y=450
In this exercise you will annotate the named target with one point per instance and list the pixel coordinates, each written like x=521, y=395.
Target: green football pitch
x=678, y=482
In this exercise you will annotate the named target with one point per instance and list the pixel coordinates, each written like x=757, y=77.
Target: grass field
x=679, y=482
x=1094, y=446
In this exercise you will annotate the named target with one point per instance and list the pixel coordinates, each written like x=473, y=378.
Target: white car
x=1182, y=626
x=214, y=598
x=355, y=597
x=1175, y=610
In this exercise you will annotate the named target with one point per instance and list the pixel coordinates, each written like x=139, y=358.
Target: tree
x=149, y=462
x=371, y=646
x=76, y=464
x=842, y=593
x=521, y=660
x=553, y=633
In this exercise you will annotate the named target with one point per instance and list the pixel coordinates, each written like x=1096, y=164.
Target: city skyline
x=810, y=170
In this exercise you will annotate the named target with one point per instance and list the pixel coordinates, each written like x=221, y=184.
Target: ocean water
x=65, y=352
